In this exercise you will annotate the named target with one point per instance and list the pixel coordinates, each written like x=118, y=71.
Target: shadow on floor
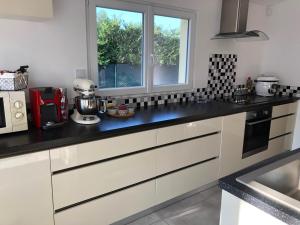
x=202, y=208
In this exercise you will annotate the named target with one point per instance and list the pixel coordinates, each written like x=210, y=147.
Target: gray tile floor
x=202, y=208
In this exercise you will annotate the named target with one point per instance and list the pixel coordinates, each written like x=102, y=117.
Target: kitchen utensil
x=266, y=85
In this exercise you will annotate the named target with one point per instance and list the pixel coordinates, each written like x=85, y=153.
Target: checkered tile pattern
x=284, y=90
x=221, y=83
x=221, y=75
x=160, y=99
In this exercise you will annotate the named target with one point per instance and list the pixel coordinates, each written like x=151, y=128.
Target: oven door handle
x=258, y=122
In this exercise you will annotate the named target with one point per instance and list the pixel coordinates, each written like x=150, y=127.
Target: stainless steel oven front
x=257, y=131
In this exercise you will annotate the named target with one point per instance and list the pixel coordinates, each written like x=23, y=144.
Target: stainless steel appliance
x=87, y=104
x=13, y=115
x=245, y=99
x=266, y=85
x=234, y=21
x=257, y=131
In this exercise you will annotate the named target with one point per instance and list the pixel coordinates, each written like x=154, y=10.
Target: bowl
x=87, y=106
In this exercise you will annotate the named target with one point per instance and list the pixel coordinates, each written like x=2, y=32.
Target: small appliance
x=266, y=85
x=13, y=115
x=87, y=104
x=48, y=107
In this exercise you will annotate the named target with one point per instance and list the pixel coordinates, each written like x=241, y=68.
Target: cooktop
x=246, y=99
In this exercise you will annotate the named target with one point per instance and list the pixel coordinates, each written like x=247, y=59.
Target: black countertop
x=263, y=202
x=145, y=119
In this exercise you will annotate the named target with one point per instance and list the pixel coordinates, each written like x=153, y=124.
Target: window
x=120, y=48
x=170, y=50
x=136, y=48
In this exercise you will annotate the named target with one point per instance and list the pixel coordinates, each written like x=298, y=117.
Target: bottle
x=249, y=84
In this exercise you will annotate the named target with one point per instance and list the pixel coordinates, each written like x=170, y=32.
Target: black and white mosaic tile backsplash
x=221, y=75
x=285, y=90
x=221, y=83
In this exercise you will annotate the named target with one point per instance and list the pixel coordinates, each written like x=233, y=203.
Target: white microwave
x=13, y=115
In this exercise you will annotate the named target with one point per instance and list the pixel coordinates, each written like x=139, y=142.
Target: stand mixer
x=87, y=104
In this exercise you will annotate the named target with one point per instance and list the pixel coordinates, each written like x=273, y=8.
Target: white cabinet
x=181, y=182
x=173, y=157
x=233, y=130
x=282, y=125
x=189, y=130
x=103, y=187
x=76, y=155
x=286, y=109
x=77, y=185
x=280, y=144
x=235, y=211
x=276, y=146
x=232, y=143
x=32, y=9
x=111, y=208
x=25, y=190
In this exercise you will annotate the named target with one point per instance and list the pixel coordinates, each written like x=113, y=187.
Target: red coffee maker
x=48, y=107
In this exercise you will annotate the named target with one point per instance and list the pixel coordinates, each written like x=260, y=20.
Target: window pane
x=170, y=50
x=120, y=48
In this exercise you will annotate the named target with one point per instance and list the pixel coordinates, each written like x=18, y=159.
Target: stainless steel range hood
x=234, y=22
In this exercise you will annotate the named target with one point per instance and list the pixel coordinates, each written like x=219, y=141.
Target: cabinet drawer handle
x=258, y=122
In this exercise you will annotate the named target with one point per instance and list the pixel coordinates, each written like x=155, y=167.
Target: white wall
x=55, y=48
x=281, y=53
x=52, y=48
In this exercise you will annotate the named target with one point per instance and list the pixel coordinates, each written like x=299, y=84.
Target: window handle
x=152, y=59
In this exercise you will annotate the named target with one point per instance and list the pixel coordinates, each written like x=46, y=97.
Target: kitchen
x=181, y=142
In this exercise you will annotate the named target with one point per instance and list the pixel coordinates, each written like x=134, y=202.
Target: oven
x=257, y=131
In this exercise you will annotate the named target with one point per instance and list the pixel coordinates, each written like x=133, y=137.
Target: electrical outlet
x=80, y=74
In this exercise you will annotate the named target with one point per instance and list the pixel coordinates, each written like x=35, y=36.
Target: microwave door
x=2, y=114
x=5, y=114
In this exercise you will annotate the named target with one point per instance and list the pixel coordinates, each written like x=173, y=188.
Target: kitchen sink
x=279, y=180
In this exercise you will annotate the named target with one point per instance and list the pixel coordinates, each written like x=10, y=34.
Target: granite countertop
x=145, y=119
x=263, y=202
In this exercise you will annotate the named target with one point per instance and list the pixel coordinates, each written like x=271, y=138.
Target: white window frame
x=191, y=34
x=149, y=10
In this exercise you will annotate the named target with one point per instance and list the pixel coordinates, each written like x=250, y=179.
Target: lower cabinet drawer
x=189, y=130
x=76, y=155
x=282, y=126
x=179, y=155
x=175, y=184
x=285, y=109
x=280, y=144
x=111, y=208
x=84, y=183
x=276, y=146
